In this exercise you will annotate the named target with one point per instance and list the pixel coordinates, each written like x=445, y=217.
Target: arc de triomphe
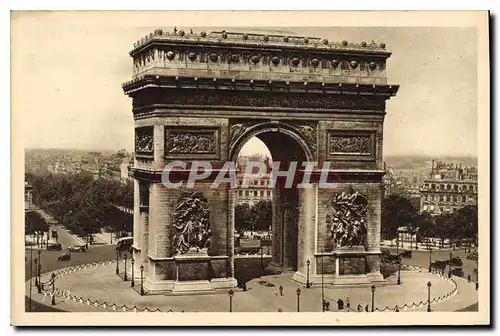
x=200, y=97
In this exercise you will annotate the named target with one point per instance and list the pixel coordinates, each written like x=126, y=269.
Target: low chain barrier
x=66, y=294
x=421, y=304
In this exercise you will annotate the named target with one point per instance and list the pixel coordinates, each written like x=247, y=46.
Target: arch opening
x=281, y=240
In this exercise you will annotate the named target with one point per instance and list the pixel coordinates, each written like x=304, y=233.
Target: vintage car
x=457, y=271
x=54, y=247
x=472, y=256
x=456, y=261
x=405, y=254
x=387, y=257
x=64, y=256
x=439, y=264
x=77, y=248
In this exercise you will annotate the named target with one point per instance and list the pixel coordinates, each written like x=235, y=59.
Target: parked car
x=54, y=247
x=387, y=257
x=456, y=261
x=77, y=248
x=64, y=256
x=406, y=254
x=457, y=271
x=472, y=256
x=124, y=244
x=439, y=264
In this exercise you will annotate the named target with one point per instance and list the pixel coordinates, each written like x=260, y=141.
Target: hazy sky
x=68, y=69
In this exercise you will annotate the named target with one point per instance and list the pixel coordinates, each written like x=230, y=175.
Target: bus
x=124, y=244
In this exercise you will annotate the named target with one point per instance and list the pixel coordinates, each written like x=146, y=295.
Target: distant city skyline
x=76, y=63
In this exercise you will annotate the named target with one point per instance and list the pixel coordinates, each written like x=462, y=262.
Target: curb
x=415, y=306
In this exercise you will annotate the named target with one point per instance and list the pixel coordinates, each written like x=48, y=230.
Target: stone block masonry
x=202, y=97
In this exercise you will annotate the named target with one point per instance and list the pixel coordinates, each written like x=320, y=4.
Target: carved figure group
x=144, y=143
x=191, y=223
x=350, y=144
x=195, y=142
x=348, y=219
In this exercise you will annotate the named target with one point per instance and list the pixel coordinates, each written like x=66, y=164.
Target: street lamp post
x=142, y=280
x=230, y=294
x=36, y=272
x=262, y=257
x=373, y=298
x=399, y=271
x=308, y=263
x=429, y=296
x=322, y=285
x=132, y=284
x=53, y=289
x=31, y=274
x=39, y=274
x=125, y=270
x=298, y=300
x=117, y=270
x=430, y=260
x=397, y=243
x=449, y=264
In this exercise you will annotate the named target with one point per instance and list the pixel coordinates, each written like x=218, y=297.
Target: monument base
x=274, y=268
x=192, y=274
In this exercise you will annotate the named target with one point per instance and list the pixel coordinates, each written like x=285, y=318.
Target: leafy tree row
x=255, y=218
x=397, y=211
x=34, y=223
x=84, y=205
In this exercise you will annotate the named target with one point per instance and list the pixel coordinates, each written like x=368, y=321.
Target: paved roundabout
x=95, y=287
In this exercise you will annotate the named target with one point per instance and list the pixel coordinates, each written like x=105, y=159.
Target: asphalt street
x=245, y=269
x=421, y=259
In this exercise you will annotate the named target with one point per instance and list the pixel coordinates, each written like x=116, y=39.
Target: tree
x=242, y=217
x=35, y=223
x=443, y=227
x=83, y=204
x=426, y=227
x=465, y=224
x=396, y=211
x=263, y=215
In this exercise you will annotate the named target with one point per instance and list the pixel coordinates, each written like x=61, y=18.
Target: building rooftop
x=265, y=40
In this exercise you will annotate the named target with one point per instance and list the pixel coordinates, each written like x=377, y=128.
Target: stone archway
x=197, y=97
x=287, y=142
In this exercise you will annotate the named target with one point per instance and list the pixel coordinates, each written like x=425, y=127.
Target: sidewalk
x=90, y=284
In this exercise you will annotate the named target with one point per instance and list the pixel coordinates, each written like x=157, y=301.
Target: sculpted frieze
x=263, y=99
x=191, y=142
x=144, y=141
x=350, y=144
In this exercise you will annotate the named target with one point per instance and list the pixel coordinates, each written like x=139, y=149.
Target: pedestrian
x=468, y=278
x=360, y=309
x=347, y=303
x=281, y=290
x=340, y=304
x=366, y=308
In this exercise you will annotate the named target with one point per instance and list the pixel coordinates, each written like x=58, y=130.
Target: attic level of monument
x=258, y=62
x=263, y=41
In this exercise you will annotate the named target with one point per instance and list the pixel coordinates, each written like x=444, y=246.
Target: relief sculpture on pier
x=347, y=219
x=191, y=223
